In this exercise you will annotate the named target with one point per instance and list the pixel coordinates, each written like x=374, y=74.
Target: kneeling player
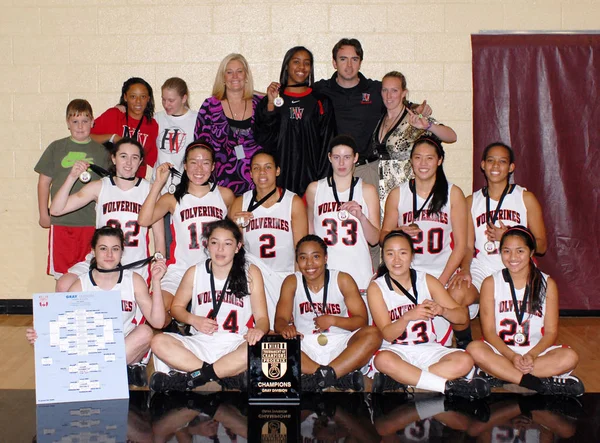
x=519, y=321
x=403, y=303
x=227, y=294
x=329, y=314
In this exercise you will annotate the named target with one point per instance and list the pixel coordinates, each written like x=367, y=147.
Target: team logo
x=296, y=113
x=366, y=98
x=43, y=301
x=274, y=431
x=172, y=140
x=274, y=359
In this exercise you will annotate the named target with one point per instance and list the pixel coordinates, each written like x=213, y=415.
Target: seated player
x=519, y=321
x=272, y=220
x=403, y=303
x=227, y=297
x=106, y=274
x=331, y=318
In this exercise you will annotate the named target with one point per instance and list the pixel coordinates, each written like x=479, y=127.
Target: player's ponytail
x=182, y=188
x=535, y=279
x=440, y=188
x=238, y=280
x=382, y=269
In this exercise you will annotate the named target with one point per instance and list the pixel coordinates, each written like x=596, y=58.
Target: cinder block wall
x=52, y=51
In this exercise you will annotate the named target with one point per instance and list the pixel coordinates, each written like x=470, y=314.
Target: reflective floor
x=330, y=417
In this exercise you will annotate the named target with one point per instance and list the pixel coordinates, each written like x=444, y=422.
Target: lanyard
x=518, y=312
x=216, y=303
x=325, y=287
x=136, y=264
x=254, y=204
x=488, y=217
x=334, y=189
x=137, y=129
x=413, y=281
x=413, y=188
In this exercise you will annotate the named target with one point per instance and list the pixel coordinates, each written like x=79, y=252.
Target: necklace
x=387, y=124
x=235, y=115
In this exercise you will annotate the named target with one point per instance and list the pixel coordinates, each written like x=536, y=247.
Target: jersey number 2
x=129, y=234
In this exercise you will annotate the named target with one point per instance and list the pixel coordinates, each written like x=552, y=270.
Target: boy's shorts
x=67, y=245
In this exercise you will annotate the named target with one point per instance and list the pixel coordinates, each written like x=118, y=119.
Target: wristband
x=112, y=138
x=429, y=126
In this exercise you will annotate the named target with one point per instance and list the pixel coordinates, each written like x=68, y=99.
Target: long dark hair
x=106, y=231
x=283, y=75
x=535, y=279
x=440, y=188
x=382, y=269
x=238, y=281
x=182, y=188
x=486, y=151
x=149, y=111
x=114, y=150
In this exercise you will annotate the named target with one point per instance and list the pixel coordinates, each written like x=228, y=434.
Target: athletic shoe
x=477, y=387
x=569, y=386
x=353, y=380
x=323, y=378
x=382, y=383
x=238, y=382
x=173, y=381
x=492, y=381
x=310, y=383
x=136, y=375
x=477, y=409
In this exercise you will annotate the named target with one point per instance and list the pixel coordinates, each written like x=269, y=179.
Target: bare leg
x=452, y=366
x=64, y=283
x=174, y=353
x=137, y=343
x=359, y=351
x=233, y=363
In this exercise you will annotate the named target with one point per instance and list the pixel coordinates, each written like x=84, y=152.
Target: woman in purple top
x=225, y=120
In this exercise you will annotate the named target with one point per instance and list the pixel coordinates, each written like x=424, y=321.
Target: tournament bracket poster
x=80, y=349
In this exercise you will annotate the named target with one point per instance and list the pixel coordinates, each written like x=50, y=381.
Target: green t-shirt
x=56, y=162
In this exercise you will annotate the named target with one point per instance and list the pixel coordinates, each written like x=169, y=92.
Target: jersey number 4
x=348, y=238
x=130, y=231
x=231, y=321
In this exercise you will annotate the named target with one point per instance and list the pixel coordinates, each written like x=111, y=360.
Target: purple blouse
x=230, y=171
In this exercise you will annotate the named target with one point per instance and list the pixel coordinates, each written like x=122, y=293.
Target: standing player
x=227, y=297
x=195, y=203
x=118, y=198
x=434, y=213
x=403, y=303
x=519, y=321
x=493, y=210
x=106, y=274
x=344, y=212
x=272, y=220
x=325, y=308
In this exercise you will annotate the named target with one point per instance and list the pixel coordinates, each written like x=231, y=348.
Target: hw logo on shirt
x=366, y=99
x=296, y=113
x=172, y=140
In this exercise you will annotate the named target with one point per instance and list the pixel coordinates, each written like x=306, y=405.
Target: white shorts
x=443, y=330
x=208, y=348
x=420, y=356
x=522, y=350
x=172, y=279
x=323, y=355
x=479, y=272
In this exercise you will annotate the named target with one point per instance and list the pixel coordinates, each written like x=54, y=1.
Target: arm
x=151, y=306
x=299, y=219
x=105, y=124
x=236, y=211
x=535, y=221
x=458, y=217
x=285, y=306
x=390, y=216
x=43, y=195
x=158, y=233
x=310, y=193
x=450, y=309
x=259, y=306
x=464, y=275
x=444, y=133
x=371, y=224
x=355, y=304
x=153, y=210
x=63, y=203
x=550, y=320
x=267, y=123
x=381, y=317
x=327, y=130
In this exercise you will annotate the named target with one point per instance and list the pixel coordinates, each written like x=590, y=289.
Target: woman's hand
x=78, y=168
x=324, y=322
x=159, y=268
x=418, y=121
x=290, y=331
x=412, y=230
x=353, y=208
x=420, y=312
x=243, y=217
x=495, y=233
x=253, y=336
x=162, y=173
x=460, y=278
x=31, y=335
x=273, y=91
x=205, y=325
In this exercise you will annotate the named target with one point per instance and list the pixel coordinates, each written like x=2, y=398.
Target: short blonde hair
x=79, y=106
x=219, y=90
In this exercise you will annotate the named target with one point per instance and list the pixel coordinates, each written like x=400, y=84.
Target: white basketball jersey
x=506, y=317
x=187, y=224
x=347, y=248
x=418, y=331
x=269, y=234
x=512, y=213
x=304, y=315
x=120, y=209
x=125, y=287
x=235, y=314
x=434, y=245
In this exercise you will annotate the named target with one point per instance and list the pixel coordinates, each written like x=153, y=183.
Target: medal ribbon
x=136, y=264
x=488, y=218
x=331, y=181
x=137, y=129
x=518, y=312
x=413, y=280
x=254, y=204
x=216, y=303
x=325, y=286
x=417, y=212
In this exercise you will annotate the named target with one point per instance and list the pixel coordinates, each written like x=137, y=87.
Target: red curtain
x=540, y=95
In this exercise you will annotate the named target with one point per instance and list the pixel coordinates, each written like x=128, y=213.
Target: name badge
x=239, y=152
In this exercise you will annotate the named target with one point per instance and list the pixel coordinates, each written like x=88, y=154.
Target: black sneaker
x=136, y=375
x=477, y=409
x=477, y=387
x=353, y=380
x=382, y=383
x=310, y=383
x=323, y=378
x=492, y=381
x=130, y=375
x=569, y=386
x=173, y=381
x=238, y=382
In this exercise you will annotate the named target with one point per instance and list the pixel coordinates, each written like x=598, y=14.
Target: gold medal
x=322, y=339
